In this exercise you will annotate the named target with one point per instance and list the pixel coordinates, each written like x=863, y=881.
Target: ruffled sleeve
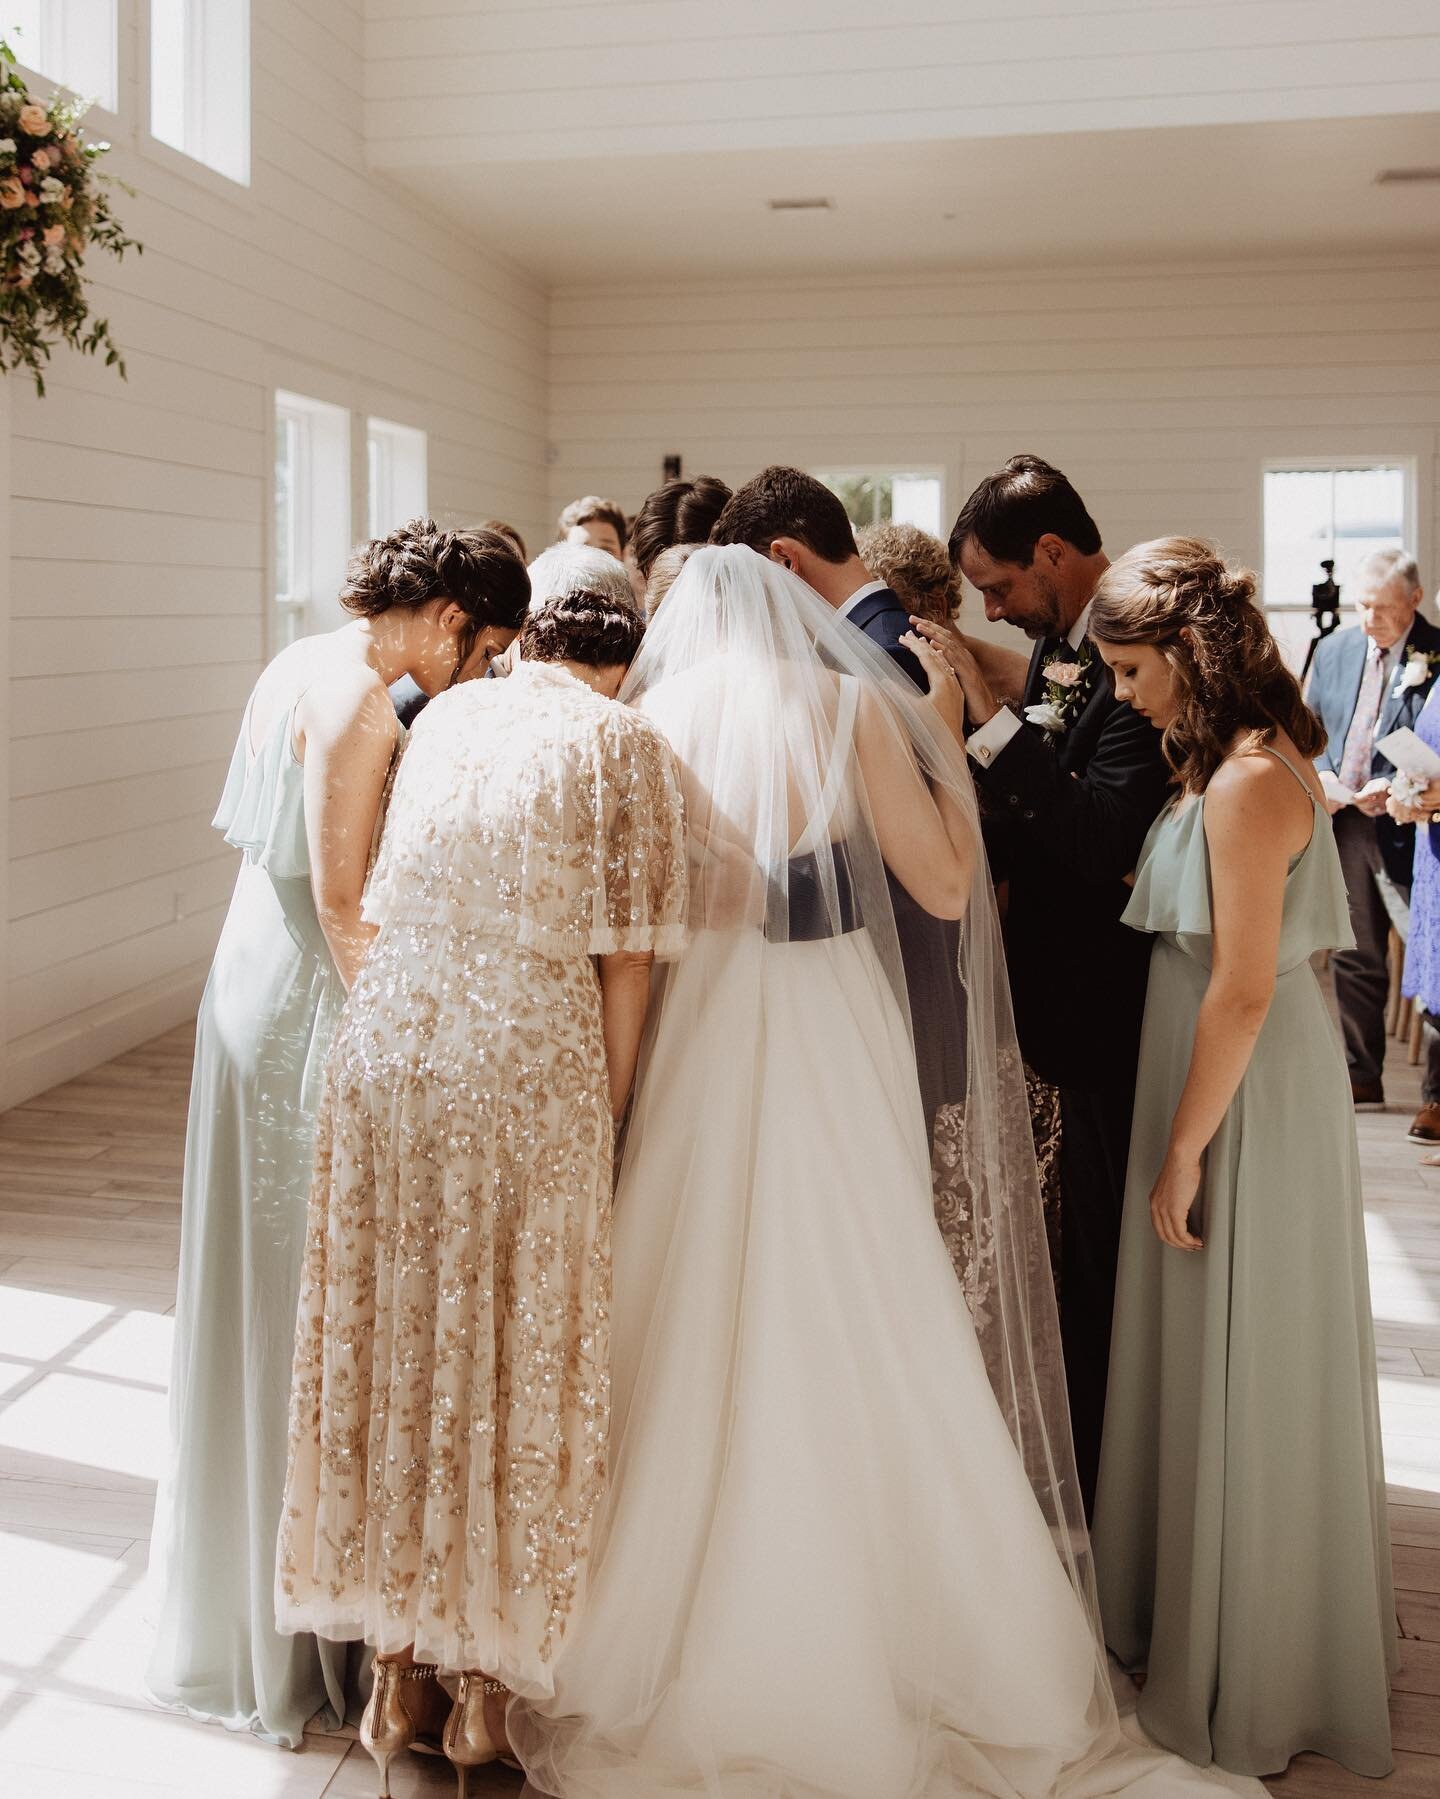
x=1171, y=895
x=262, y=808
x=644, y=888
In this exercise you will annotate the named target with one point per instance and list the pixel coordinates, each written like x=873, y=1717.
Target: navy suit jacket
x=929, y=946
x=884, y=620
x=1335, y=677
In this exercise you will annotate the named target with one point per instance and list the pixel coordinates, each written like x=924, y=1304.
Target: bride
x=842, y=1556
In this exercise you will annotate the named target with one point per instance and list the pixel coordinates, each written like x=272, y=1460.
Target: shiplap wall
x=139, y=515
x=1161, y=393
x=558, y=79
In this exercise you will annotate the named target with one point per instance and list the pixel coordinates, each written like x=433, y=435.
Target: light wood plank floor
x=89, y=1231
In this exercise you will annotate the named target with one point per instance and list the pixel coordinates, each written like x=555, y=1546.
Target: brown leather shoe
x=1426, y=1127
x=1368, y=1096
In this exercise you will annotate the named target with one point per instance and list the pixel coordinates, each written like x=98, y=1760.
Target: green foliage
x=54, y=208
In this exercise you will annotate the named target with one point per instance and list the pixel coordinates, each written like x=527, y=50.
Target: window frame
x=1406, y=462
x=57, y=15
x=389, y=436
x=194, y=162
x=320, y=521
x=1290, y=621
x=888, y=470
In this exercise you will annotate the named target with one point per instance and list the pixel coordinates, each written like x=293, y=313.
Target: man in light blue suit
x=1367, y=681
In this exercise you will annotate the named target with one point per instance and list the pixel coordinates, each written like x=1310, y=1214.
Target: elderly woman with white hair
x=566, y=569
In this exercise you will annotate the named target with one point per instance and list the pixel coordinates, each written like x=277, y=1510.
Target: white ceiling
x=1187, y=192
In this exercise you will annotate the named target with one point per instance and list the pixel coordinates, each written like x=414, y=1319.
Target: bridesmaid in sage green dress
x=302, y=803
x=1241, y=1544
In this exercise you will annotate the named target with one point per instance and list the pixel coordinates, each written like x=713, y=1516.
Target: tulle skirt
x=821, y=1569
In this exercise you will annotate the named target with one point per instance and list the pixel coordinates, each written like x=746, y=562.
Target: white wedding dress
x=822, y=1572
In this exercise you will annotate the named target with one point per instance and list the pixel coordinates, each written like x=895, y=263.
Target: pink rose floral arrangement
x=54, y=207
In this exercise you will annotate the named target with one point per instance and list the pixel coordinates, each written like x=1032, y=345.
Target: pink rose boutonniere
x=1066, y=687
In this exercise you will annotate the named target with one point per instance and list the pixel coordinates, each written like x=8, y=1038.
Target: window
x=397, y=489
x=200, y=81
x=70, y=41
x=311, y=515
x=888, y=497
x=1326, y=511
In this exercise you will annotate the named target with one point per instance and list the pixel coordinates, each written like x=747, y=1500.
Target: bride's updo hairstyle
x=417, y=563
x=1177, y=595
x=593, y=629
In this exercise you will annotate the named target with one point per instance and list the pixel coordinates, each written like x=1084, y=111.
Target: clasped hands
x=1421, y=813
x=960, y=653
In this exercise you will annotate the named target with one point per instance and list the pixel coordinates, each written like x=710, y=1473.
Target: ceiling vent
x=801, y=205
x=1407, y=177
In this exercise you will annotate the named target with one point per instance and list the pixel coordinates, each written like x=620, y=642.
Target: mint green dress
x=268, y=1014
x=1241, y=1543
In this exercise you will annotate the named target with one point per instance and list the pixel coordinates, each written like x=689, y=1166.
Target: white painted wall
x=1161, y=393
x=507, y=83
x=134, y=604
x=139, y=516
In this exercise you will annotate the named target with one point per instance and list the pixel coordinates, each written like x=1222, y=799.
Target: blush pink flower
x=1063, y=674
x=54, y=234
x=34, y=120
x=42, y=158
x=11, y=193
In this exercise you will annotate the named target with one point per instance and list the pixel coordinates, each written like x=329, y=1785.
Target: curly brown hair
x=418, y=562
x=588, y=627
x=914, y=564
x=1178, y=594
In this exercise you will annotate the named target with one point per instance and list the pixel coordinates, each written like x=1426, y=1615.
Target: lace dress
x=1422, y=947
x=449, y=1425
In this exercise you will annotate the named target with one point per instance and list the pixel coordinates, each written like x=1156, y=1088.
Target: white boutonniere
x=1416, y=670
x=1064, y=693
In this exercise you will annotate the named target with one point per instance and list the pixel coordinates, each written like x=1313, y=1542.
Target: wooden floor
x=89, y=1230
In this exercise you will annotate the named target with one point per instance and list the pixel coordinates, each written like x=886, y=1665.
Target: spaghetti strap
x=1285, y=760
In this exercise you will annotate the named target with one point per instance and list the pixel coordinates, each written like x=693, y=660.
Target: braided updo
x=1178, y=595
x=590, y=627
x=418, y=563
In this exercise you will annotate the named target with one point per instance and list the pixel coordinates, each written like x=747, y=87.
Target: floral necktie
x=1360, y=741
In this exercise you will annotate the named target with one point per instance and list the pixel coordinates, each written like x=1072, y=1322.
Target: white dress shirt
x=986, y=743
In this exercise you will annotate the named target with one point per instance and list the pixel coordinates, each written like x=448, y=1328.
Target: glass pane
x=167, y=72
x=285, y=570
x=377, y=491
x=28, y=36
x=1313, y=515
x=915, y=500
x=200, y=81
x=866, y=498
x=1369, y=515
x=878, y=499
x=71, y=41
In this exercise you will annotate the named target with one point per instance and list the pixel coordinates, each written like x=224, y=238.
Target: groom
x=797, y=521
x=1069, y=794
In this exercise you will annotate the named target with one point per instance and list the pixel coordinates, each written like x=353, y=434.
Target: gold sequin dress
x=450, y=1414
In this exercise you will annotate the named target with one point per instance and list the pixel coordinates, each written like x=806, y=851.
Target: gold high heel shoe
x=467, y=1740
x=388, y=1725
